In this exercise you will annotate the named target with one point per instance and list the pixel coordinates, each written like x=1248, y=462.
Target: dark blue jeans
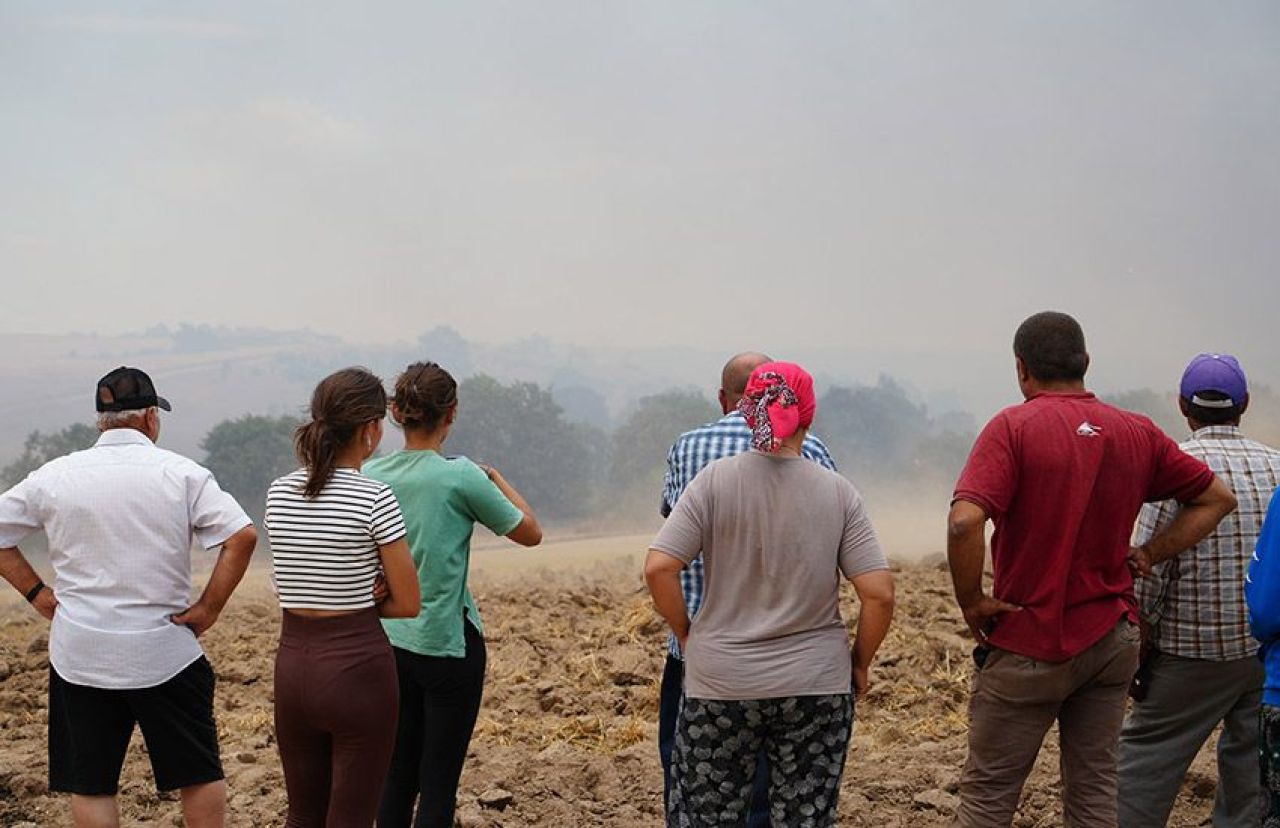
x=668, y=712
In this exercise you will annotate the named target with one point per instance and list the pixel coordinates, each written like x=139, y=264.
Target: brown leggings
x=336, y=702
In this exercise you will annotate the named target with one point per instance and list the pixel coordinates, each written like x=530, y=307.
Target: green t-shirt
x=441, y=500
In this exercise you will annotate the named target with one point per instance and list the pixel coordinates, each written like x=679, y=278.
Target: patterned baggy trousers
x=1269, y=760
x=714, y=760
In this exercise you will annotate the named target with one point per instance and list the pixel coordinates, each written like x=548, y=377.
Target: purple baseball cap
x=1215, y=372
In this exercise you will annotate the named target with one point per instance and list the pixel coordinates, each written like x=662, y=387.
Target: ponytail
x=317, y=449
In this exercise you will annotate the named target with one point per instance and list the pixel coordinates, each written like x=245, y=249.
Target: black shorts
x=90, y=728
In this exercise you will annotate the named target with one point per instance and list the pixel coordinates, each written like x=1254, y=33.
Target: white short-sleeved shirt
x=121, y=517
x=325, y=549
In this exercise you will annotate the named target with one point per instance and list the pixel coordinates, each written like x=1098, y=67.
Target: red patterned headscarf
x=778, y=402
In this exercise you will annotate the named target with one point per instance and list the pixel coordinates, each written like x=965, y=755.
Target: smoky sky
x=886, y=180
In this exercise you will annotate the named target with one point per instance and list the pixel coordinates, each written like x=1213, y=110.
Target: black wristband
x=34, y=591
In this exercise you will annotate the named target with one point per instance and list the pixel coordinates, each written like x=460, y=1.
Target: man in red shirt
x=1062, y=476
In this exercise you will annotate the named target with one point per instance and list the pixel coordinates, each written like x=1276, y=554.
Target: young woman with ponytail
x=340, y=561
x=440, y=655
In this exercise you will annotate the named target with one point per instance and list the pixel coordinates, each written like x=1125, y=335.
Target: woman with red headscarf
x=767, y=660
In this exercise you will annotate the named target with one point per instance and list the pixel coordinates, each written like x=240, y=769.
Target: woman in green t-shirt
x=440, y=654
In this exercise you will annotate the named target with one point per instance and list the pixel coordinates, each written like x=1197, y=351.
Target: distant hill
x=214, y=373
x=207, y=377
x=211, y=374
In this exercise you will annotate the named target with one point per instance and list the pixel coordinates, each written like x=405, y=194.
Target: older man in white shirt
x=120, y=519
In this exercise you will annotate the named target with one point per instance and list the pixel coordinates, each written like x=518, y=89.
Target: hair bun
x=424, y=394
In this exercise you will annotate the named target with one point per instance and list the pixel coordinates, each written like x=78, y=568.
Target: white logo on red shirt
x=1088, y=429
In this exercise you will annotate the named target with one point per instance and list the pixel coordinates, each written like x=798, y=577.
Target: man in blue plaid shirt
x=691, y=452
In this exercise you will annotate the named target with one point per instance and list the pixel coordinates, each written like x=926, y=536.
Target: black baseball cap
x=128, y=389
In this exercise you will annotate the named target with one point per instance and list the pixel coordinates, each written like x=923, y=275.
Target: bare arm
x=1192, y=524
x=227, y=573
x=528, y=532
x=966, y=553
x=15, y=569
x=405, y=599
x=876, y=599
x=662, y=574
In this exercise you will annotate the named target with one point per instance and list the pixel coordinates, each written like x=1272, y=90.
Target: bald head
x=733, y=379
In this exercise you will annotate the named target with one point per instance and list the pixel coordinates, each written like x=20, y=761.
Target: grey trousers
x=1164, y=732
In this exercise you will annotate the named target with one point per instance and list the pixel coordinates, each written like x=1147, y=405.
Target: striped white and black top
x=324, y=550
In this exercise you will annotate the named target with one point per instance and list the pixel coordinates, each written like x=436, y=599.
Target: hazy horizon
x=876, y=187
x=976, y=382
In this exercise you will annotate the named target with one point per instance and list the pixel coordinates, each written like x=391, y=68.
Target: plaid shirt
x=691, y=452
x=1197, y=598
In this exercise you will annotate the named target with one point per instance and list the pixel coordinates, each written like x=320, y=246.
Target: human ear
x=371, y=436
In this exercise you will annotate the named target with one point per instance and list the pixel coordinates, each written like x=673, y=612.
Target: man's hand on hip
x=45, y=603
x=981, y=613
x=198, y=618
x=1139, y=562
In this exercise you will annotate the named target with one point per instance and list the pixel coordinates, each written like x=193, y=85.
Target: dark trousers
x=90, y=729
x=1187, y=699
x=1269, y=760
x=718, y=747
x=335, y=716
x=668, y=714
x=439, y=702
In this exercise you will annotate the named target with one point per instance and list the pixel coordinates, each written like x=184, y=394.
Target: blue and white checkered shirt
x=691, y=452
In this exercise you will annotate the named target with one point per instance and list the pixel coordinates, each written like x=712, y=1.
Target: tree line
x=579, y=472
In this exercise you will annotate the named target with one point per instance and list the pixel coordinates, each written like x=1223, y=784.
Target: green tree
x=873, y=428
x=246, y=454
x=638, y=451
x=521, y=431
x=40, y=448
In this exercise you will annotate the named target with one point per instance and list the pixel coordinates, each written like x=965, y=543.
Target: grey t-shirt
x=775, y=534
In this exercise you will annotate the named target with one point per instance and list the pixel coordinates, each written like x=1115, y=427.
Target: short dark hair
x=1051, y=345
x=1213, y=416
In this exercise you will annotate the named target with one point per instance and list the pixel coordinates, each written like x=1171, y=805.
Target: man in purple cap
x=123, y=651
x=1203, y=668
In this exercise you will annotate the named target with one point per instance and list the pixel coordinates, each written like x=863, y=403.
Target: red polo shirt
x=1063, y=476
